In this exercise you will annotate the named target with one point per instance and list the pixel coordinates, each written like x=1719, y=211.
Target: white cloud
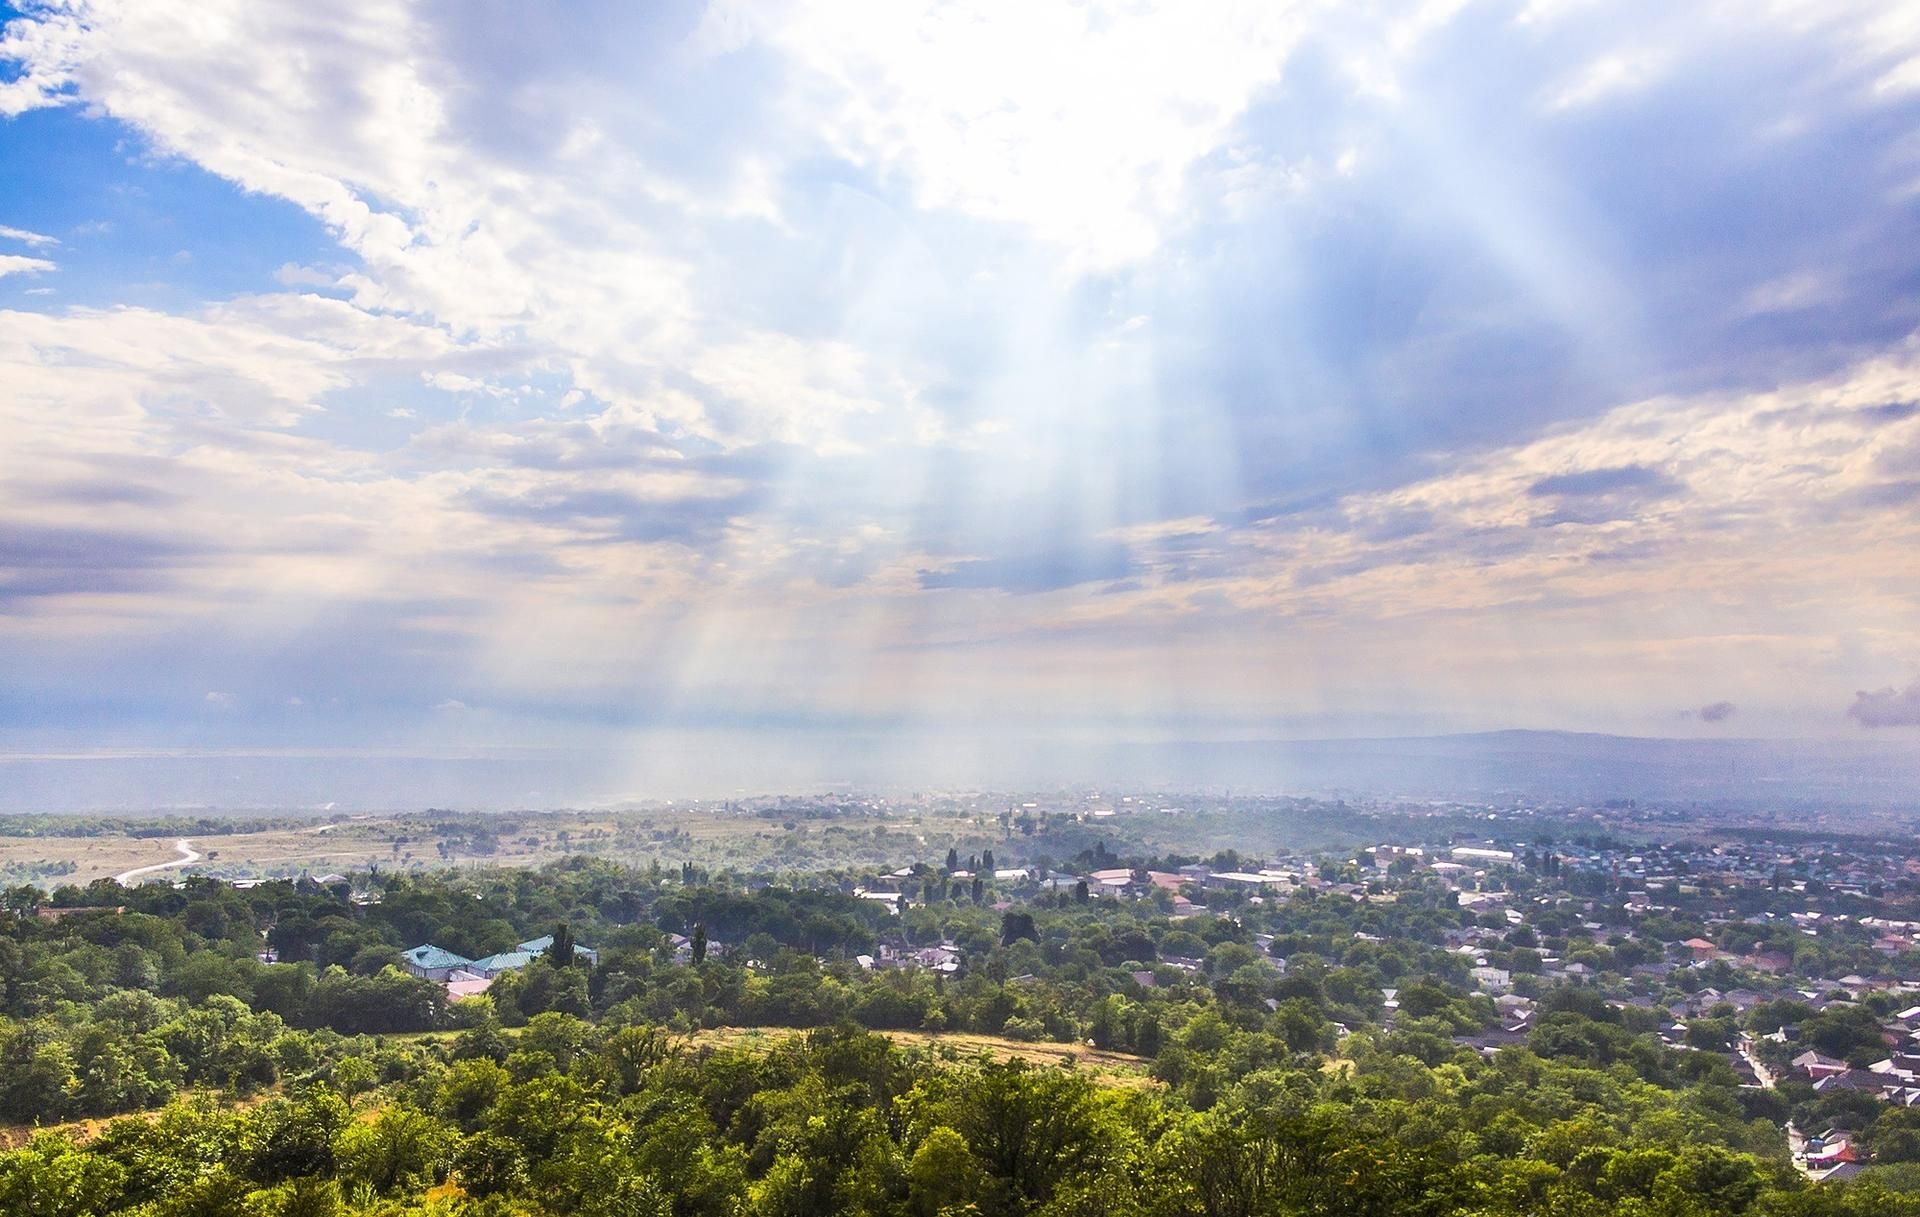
x=1078, y=122
x=268, y=359
x=1902, y=79
x=1606, y=77
x=1792, y=293
x=50, y=47
x=292, y=274
x=34, y=239
x=20, y=264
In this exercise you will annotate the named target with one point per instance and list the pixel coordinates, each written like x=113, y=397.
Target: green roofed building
x=433, y=963
x=524, y=954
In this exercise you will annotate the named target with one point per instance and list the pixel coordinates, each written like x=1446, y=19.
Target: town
x=1789, y=957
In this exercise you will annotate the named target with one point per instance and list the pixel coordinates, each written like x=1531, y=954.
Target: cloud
x=1791, y=294
x=615, y=514
x=1716, y=712
x=1636, y=480
x=1045, y=571
x=1602, y=496
x=1888, y=707
x=1890, y=412
x=1081, y=129
x=294, y=275
x=722, y=353
x=1607, y=77
x=34, y=239
x=20, y=264
x=1887, y=494
x=42, y=560
x=104, y=492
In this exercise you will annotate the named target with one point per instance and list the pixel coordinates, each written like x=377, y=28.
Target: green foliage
x=577, y=1089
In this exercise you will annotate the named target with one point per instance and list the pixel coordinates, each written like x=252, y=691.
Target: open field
x=318, y=849
x=1116, y=1068
x=1111, y=1068
x=758, y=837
x=802, y=834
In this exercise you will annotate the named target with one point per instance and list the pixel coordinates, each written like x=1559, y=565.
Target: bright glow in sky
x=467, y=373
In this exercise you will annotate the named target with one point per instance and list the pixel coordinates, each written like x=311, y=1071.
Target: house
x=47, y=912
x=466, y=984
x=1703, y=951
x=1475, y=853
x=1815, y=1065
x=430, y=962
x=542, y=944
x=1243, y=881
x=1834, y=1148
x=936, y=959
x=1864, y=1080
x=1494, y=980
x=524, y=954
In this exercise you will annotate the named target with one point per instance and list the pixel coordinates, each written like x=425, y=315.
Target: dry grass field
x=1110, y=1068
x=101, y=857
x=704, y=835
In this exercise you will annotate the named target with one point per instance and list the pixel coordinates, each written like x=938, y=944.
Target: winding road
x=187, y=854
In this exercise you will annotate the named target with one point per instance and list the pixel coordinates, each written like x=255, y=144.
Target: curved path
x=187, y=854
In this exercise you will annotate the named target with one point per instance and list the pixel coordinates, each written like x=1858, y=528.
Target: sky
x=381, y=377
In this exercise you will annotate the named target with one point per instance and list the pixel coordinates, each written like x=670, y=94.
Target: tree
x=560, y=953
x=943, y=1176
x=1032, y=1130
x=953, y=859
x=490, y=1164
x=1080, y=892
x=51, y=1177
x=399, y=1149
x=354, y=1076
x=699, y=943
x=297, y=1136
x=1015, y=926
x=986, y=860
x=634, y=1051
x=36, y=1073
